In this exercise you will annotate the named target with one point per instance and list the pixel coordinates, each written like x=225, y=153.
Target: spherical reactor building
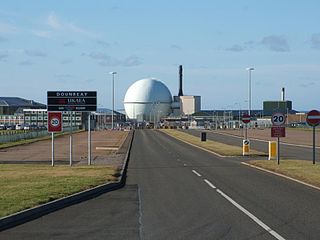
x=147, y=100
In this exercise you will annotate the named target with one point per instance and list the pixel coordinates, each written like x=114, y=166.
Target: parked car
x=2, y=127
x=19, y=127
x=11, y=127
x=26, y=127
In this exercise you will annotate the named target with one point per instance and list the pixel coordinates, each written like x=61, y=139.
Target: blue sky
x=73, y=45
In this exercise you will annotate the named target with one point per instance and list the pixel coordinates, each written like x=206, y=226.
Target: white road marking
x=250, y=215
x=184, y=164
x=210, y=184
x=196, y=173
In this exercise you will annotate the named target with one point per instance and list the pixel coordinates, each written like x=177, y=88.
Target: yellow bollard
x=245, y=147
x=272, y=150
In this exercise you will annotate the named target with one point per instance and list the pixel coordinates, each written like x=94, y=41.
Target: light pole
x=249, y=89
x=113, y=73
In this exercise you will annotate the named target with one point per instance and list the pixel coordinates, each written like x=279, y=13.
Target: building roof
x=19, y=102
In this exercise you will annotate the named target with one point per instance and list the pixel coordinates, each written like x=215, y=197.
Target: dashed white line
x=196, y=173
x=250, y=215
x=210, y=184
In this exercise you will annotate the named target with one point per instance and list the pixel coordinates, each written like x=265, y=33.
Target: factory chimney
x=180, y=81
x=282, y=95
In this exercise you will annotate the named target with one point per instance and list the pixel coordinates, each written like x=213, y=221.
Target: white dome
x=147, y=99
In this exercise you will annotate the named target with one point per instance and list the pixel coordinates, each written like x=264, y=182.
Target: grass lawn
x=217, y=147
x=298, y=169
x=24, y=186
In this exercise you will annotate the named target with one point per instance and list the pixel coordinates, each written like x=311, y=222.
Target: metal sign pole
x=52, y=148
x=278, y=151
x=314, y=145
x=70, y=159
x=89, y=139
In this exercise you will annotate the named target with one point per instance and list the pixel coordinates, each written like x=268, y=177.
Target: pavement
x=176, y=191
x=293, y=150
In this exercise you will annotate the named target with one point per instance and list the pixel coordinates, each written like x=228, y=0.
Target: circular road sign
x=55, y=122
x=313, y=118
x=246, y=118
x=278, y=119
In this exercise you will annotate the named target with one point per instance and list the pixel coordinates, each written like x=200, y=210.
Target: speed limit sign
x=54, y=121
x=278, y=119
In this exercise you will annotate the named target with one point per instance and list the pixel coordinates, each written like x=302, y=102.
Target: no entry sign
x=54, y=121
x=246, y=118
x=313, y=118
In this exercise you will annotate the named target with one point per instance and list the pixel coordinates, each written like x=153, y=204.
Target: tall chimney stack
x=180, y=81
x=282, y=95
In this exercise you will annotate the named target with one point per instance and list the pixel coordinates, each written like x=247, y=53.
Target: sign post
x=54, y=125
x=73, y=101
x=246, y=143
x=313, y=120
x=278, y=130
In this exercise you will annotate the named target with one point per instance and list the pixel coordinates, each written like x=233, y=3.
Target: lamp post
x=249, y=89
x=113, y=73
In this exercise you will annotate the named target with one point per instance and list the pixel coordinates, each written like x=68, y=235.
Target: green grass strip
x=217, y=147
x=24, y=186
x=298, y=169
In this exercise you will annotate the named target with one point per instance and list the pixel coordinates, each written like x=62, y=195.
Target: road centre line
x=196, y=173
x=250, y=215
x=210, y=184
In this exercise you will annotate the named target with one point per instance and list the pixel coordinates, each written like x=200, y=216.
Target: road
x=175, y=191
x=287, y=151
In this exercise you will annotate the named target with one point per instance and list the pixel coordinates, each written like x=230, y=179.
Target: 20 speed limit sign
x=278, y=119
x=54, y=121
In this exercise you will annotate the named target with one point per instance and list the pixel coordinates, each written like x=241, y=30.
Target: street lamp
x=249, y=89
x=113, y=73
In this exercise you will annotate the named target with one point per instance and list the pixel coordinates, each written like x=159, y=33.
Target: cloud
x=58, y=25
x=106, y=60
x=315, y=41
x=103, y=43
x=3, y=39
x=69, y=44
x=66, y=61
x=276, y=43
x=25, y=63
x=235, y=48
x=35, y=53
x=175, y=46
x=41, y=33
x=7, y=28
x=308, y=84
x=3, y=56
x=63, y=76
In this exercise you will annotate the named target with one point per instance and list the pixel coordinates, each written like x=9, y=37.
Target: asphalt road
x=175, y=191
x=287, y=151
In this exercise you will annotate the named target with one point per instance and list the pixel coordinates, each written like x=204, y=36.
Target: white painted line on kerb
x=250, y=215
x=196, y=173
x=210, y=184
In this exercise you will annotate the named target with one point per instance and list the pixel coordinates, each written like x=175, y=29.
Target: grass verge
x=24, y=186
x=217, y=147
x=298, y=169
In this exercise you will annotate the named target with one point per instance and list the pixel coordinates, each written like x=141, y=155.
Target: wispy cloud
x=66, y=61
x=103, y=43
x=3, y=56
x=7, y=28
x=175, y=46
x=315, y=41
x=276, y=43
x=3, y=39
x=42, y=33
x=25, y=63
x=106, y=60
x=35, y=53
x=57, y=24
x=63, y=76
x=236, y=48
x=307, y=84
x=69, y=44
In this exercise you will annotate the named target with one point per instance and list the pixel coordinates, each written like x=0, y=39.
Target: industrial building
x=15, y=105
x=150, y=100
